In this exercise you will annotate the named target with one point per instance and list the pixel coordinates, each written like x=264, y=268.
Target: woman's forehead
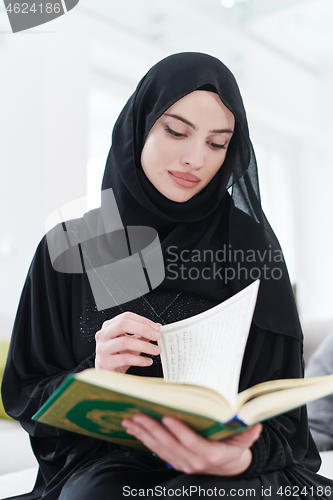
x=202, y=104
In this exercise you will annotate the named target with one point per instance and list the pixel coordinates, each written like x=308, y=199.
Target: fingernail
x=138, y=417
x=156, y=326
x=168, y=421
x=154, y=334
x=156, y=349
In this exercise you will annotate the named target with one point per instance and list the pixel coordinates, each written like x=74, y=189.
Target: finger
x=213, y=450
x=152, y=426
x=131, y=317
x=186, y=436
x=125, y=343
x=144, y=436
x=152, y=434
x=190, y=453
x=166, y=444
x=124, y=360
x=247, y=438
x=136, y=317
x=121, y=325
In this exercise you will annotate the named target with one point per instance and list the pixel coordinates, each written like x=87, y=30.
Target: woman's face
x=187, y=145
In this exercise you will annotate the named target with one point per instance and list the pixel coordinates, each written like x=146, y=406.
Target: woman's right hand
x=122, y=339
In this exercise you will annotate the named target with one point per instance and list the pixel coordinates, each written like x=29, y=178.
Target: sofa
x=18, y=465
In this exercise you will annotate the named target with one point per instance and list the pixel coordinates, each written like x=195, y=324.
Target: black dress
x=54, y=336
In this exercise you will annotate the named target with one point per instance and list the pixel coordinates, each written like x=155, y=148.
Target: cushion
x=326, y=468
x=17, y=483
x=4, y=345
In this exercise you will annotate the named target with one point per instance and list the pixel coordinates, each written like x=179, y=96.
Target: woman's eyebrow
x=215, y=131
x=221, y=131
x=182, y=120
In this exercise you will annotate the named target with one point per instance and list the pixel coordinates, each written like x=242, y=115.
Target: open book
x=201, y=360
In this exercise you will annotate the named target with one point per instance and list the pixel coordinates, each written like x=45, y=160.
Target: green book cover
x=97, y=412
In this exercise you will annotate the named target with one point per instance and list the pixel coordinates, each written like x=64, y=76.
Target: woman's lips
x=184, y=179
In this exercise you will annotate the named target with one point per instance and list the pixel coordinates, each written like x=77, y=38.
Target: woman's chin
x=178, y=198
x=176, y=195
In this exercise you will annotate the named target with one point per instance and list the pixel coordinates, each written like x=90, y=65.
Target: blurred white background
x=64, y=83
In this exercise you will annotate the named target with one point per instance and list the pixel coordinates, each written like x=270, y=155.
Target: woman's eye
x=218, y=146
x=173, y=132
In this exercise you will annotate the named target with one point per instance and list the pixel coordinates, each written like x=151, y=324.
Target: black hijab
x=232, y=226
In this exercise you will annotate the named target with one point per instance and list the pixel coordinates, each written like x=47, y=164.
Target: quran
x=201, y=360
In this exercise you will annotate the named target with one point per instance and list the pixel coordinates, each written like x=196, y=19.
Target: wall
x=54, y=120
x=44, y=126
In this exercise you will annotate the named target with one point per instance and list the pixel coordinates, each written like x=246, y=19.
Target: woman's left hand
x=186, y=451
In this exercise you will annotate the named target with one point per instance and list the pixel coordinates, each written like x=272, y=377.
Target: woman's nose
x=195, y=156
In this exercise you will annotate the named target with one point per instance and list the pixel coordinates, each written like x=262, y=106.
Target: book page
x=207, y=349
x=296, y=393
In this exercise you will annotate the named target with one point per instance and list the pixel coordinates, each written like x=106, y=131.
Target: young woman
x=181, y=162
